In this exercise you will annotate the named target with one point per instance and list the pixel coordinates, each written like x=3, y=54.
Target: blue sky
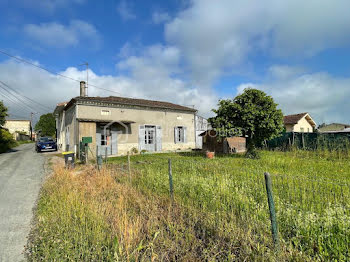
x=191, y=52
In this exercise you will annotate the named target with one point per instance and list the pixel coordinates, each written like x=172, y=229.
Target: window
x=105, y=112
x=149, y=135
x=302, y=129
x=180, y=133
x=308, y=130
x=105, y=136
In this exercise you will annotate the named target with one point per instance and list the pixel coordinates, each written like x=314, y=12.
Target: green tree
x=253, y=113
x=46, y=125
x=3, y=113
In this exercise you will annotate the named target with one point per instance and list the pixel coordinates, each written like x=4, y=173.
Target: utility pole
x=31, y=125
x=87, y=76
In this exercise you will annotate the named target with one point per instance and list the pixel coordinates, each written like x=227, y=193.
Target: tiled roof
x=134, y=102
x=293, y=119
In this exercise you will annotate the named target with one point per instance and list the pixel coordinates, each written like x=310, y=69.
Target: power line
x=11, y=99
x=52, y=72
x=21, y=101
x=31, y=100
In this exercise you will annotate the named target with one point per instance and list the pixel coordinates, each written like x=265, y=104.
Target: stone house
x=302, y=123
x=117, y=125
x=20, y=129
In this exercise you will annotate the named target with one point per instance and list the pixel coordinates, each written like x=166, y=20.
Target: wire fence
x=308, y=208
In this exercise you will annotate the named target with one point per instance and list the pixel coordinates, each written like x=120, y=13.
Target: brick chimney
x=82, y=88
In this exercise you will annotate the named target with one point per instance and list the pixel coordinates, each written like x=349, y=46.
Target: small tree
x=46, y=125
x=254, y=113
x=3, y=113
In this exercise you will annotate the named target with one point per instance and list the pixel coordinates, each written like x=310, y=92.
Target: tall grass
x=86, y=215
x=311, y=191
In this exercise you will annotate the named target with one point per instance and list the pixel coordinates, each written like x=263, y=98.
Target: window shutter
x=114, y=143
x=185, y=134
x=159, y=138
x=98, y=143
x=176, y=134
x=141, y=137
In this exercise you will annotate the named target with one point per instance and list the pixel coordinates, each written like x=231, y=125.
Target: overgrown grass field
x=311, y=193
x=220, y=211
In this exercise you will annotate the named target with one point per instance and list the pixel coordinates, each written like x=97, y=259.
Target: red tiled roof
x=293, y=119
x=133, y=102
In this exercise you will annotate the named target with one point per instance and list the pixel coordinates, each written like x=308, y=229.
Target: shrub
x=6, y=141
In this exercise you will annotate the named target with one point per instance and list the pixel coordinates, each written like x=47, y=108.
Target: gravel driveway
x=21, y=174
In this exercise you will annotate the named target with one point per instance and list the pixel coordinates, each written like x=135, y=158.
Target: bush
x=6, y=141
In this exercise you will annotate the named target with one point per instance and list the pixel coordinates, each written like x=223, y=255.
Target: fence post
x=129, y=167
x=171, y=180
x=98, y=159
x=106, y=152
x=273, y=219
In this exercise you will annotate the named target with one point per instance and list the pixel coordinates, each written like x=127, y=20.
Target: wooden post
x=171, y=189
x=129, y=167
x=274, y=229
x=302, y=138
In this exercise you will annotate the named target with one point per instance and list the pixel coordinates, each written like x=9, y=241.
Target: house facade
x=117, y=125
x=302, y=123
x=20, y=129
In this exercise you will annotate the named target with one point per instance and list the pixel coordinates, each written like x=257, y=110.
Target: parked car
x=46, y=144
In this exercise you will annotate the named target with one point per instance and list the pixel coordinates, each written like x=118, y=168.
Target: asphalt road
x=21, y=174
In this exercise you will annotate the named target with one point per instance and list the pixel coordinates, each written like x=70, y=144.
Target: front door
x=106, y=139
x=150, y=135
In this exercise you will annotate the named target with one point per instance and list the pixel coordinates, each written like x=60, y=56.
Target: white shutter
x=185, y=134
x=158, y=138
x=141, y=137
x=176, y=134
x=98, y=143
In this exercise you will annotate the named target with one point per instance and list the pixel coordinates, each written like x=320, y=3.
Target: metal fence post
x=273, y=219
x=106, y=152
x=98, y=159
x=129, y=167
x=171, y=180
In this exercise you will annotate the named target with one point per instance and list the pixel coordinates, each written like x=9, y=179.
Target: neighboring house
x=213, y=143
x=201, y=126
x=302, y=123
x=334, y=127
x=118, y=124
x=20, y=129
x=343, y=131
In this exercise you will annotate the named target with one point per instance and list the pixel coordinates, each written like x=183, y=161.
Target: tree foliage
x=3, y=113
x=46, y=125
x=254, y=113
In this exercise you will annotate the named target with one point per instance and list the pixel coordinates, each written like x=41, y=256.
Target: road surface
x=21, y=174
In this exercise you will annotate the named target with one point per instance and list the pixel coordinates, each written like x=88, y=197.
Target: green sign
x=87, y=140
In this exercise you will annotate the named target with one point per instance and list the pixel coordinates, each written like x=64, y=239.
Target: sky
x=190, y=52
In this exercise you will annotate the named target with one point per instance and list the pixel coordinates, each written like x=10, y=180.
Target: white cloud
x=324, y=96
x=47, y=6
x=150, y=76
x=125, y=11
x=58, y=35
x=160, y=17
x=215, y=36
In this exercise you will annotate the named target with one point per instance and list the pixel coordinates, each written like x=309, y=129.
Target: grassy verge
x=85, y=215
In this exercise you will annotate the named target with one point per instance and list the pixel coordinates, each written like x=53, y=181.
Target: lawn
x=219, y=212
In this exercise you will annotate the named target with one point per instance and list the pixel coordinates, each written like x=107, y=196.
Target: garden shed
x=213, y=143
